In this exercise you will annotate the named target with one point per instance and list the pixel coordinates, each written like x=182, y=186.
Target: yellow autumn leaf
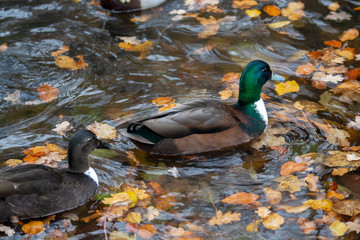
x=272, y=196
x=140, y=193
x=243, y=4
x=273, y=221
x=225, y=94
x=165, y=103
x=62, y=50
x=287, y=87
x=323, y=204
x=13, y=162
x=144, y=48
x=117, y=198
x=221, y=218
x=142, y=18
x=338, y=228
x=349, y=35
x=3, y=47
x=69, y=63
x=279, y=24
x=294, y=11
x=253, y=226
x=252, y=12
x=133, y=217
x=290, y=183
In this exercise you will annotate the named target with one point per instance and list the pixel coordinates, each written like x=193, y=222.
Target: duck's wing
x=197, y=117
x=29, y=179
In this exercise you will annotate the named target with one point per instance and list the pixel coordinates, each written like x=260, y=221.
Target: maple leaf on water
x=14, y=97
x=338, y=16
x=221, y=218
x=263, y=212
x=241, y=198
x=50, y=154
x=48, y=92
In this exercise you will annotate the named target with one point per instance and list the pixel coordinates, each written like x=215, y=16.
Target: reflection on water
x=118, y=86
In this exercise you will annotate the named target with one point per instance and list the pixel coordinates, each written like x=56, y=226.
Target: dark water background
x=117, y=86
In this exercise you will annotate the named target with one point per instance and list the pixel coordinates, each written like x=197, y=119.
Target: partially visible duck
x=129, y=5
x=31, y=191
x=208, y=124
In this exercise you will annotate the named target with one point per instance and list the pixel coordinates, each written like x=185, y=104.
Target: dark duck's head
x=80, y=146
x=254, y=76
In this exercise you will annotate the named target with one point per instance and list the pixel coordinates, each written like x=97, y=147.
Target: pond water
x=118, y=86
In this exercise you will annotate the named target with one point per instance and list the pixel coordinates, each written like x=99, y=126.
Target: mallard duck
x=129, y=5
x=208, y=124
x=30, y=191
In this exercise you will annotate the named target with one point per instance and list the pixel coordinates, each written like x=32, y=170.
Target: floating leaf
x=273, y=221
x=243, y=4
x=62, y=50
x=352, y=74
x=7, y=230
x=306, y=225
x=241, y=198
x=272, y=196
x=294, y=11
x=33, y=227
x=221, y=219
x=133, y=217
x=62, y=128
x=253, y=226
x=141, y=18
x=305, y=69
x=3, y=47
x=263, y=212
x=334, y=6
x=348, y=35
x=13, y=162
x=312, y=182
x=291, y=166
x=323, y=204
x=333, y=194
x=14, y=97
x=48, y=92
x=338, y=16
x=272, y=10
x=279, y=24
x=116, y=235
x=287, y=87
x=349, y=207
x=253, y=12
x=144, y=231
x=354, y=226
x=151, y=213
x=211, y=26
x=290, y=183
x=338, y=159
x=225, y=94
x=102, y=130
x=70, y=64
x=294, y=209
x=165, y=202
x=338, y=228
x=144, y=48
x=333, y=43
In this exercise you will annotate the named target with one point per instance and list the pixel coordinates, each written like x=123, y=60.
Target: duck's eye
x=266, y=69
x=88, y=139
x=125, y=1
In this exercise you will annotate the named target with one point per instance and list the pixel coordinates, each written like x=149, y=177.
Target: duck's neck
x=78, y=161
x=257, y=111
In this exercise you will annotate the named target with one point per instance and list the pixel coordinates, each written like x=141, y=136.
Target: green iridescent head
x=254, y=76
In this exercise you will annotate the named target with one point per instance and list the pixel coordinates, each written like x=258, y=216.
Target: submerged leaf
x=291, y=166
x=48, y=92
x=102, y=130
x=241, y=198
x=221, y=218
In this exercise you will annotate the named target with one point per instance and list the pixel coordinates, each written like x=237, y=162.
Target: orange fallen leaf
x=231, y=77
x=305, y=69
x=294, y=11
x=334, y=6
x=157, y=188
x=3, y=47
x=62, y=50
x=315, y=55
x=48, y=92
x=331, y=194
x=221, y=218
x=272, y=10
x=33, y=227
x=165, y=202
x=352, y=74
x=253, y=12
x=243, y=4
x=280, y=149
x=207, y=48
x=165, y=102
x=273, y=221
x=144, y=48
x=350, y=34
x=323, y=204
x=241, y=198
x=70, y=64
x=333, y=43
x=291, y=166
x=357, y=8
x=91, y=217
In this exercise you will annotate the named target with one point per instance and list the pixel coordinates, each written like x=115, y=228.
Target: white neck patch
x=92, y=174
x=260, y=108
x=146, y=4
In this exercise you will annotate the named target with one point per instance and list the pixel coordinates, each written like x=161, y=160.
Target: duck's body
x=129, y=5
x=31, y=191
x=207, y=124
